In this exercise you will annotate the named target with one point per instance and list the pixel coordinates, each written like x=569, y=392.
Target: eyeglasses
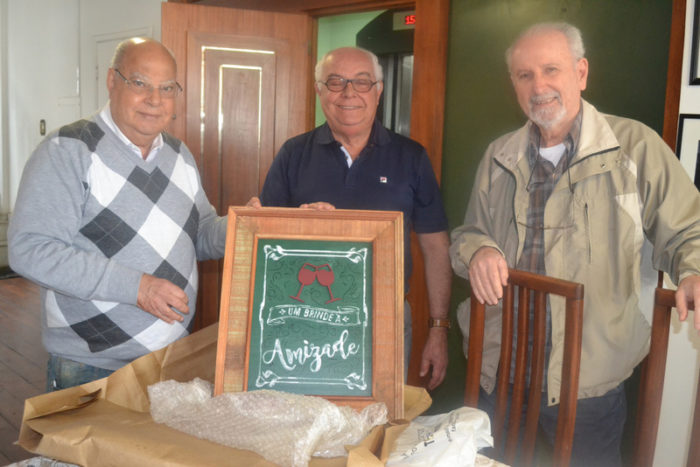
x=337, y=84
x=532, y=184
x=166, y=91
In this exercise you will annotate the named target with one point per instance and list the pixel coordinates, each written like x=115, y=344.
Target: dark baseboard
x=7, y=273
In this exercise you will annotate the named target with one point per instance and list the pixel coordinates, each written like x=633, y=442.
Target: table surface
x=481, y=461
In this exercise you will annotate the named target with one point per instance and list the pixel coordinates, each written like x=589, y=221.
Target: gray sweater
x=91, y=217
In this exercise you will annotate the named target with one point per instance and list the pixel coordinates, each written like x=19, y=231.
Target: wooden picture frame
x=688, y=145
x=312, y=303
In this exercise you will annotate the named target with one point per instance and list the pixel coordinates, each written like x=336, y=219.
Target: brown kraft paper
x=108, y=423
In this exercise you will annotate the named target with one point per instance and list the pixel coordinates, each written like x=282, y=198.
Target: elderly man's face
x=349, y=112
x=142, y=116
x=547, y=80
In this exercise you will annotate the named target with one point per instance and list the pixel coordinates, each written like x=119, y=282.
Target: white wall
x=4, y=146
x=42, y=61
x=39, y=66
x=51, y=60
x=49, y=56
x=103, y=24
x=684, y=344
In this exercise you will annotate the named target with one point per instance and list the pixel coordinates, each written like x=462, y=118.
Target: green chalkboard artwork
x=311, y=324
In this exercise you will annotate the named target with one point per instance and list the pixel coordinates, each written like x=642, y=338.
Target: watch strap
x=439, y=323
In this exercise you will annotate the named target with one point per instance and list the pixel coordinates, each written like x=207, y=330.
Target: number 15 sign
x=312, y=303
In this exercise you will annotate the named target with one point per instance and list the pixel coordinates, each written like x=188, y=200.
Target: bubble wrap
x=284, y=428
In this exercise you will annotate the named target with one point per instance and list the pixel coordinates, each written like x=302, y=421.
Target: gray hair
x=571, y=32
x=124, y=46
x=377, y=68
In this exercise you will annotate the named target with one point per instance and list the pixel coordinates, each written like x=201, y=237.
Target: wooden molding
x=427, y=127
x=310, y=7
x=673, y=76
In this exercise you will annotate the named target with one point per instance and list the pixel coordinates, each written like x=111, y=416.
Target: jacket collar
x=596, y=137
x=596, y=134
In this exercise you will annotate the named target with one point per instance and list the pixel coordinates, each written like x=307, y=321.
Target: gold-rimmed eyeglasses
x=337, y=84
x=140, y=87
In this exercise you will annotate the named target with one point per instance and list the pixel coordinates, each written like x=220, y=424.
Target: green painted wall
x=627, y=48
x=339, y=31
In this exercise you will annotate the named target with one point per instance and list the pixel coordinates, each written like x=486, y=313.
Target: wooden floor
x=22, y=360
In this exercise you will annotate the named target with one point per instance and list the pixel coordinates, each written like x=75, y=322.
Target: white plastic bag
x=450, y=439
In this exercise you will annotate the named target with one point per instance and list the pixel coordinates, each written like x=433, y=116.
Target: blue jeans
x=62, y=373
x=600, y=422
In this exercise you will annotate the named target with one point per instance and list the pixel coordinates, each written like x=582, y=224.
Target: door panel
x=242, y=100
x=232, y=117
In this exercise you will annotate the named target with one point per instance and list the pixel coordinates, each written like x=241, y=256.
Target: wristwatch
x=439, y=323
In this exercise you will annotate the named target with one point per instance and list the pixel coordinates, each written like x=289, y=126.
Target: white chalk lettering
x=269, y=356
x=313, y=353
x=321, y=315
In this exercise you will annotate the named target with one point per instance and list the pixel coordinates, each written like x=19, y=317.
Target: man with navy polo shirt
x=353, y=162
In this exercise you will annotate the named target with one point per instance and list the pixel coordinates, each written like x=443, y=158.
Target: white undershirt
x=553, y=154
x=348, y=159
x=106, y=115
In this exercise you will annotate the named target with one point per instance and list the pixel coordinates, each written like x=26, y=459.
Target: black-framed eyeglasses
x=140, y=87
x=337, y=84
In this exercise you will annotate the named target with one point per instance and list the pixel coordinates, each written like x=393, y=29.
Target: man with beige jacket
x=573, y=194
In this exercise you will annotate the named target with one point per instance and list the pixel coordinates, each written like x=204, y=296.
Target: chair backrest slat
x=503, y=381
x=540, y=287
x=537, y=372
x=518, y=395
x=571, y=367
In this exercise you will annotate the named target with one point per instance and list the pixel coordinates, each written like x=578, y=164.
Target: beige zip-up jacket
x=624, y=184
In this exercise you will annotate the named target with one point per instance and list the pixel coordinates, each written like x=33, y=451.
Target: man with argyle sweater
x=110, y=220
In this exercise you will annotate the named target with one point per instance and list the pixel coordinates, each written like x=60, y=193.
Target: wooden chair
x=541, y=286
x=652, y=384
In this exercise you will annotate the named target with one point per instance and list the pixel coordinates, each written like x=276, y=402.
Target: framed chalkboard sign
x=312, y=303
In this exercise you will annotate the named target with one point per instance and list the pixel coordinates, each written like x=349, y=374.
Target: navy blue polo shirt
x=392, y=173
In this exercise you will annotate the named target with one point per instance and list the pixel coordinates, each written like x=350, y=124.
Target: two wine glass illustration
x=308, y=273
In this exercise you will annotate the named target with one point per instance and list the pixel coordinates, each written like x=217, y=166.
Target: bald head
x=572, y=34
x=141, y=72
x=137, y=44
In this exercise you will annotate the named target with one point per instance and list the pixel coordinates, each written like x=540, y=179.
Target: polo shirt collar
x=378, y=136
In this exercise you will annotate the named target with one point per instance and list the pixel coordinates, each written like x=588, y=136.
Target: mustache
x=542, y=98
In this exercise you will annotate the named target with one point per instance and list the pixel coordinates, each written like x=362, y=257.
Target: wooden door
x=246, y=76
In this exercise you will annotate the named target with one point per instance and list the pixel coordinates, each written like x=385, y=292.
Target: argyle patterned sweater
x=91, y=216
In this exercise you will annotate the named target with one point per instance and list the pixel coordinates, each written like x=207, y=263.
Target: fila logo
x=382, y=180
